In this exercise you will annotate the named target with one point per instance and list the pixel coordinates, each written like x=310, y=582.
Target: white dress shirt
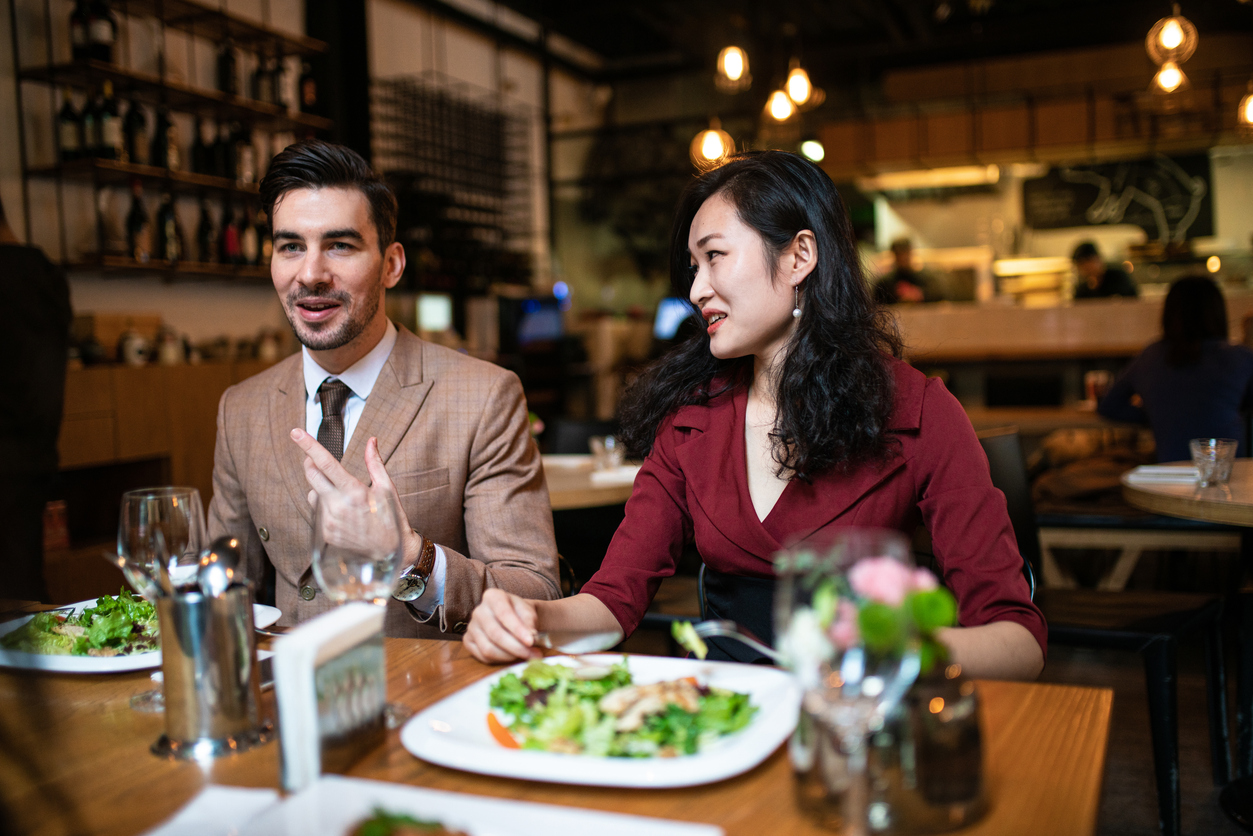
x=360, y=378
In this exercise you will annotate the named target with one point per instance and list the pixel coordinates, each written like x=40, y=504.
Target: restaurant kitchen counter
x=75, y=759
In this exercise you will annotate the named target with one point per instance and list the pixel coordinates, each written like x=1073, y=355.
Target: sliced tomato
x=501, y=734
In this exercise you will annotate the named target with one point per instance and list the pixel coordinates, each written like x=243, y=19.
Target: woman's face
x=745, y=312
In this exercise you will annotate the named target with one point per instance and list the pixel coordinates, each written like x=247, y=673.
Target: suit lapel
x=393, y=404
x=287, y=411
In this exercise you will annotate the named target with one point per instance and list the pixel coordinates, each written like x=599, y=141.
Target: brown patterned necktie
x=334, y=394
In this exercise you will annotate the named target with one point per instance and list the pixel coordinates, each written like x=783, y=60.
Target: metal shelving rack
x=194, y=18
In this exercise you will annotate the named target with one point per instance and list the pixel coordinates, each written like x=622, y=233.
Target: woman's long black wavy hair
x=834, y=388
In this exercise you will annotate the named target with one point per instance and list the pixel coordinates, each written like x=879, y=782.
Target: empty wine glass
x=839, y=625
x=357, y=544
x=160, y=534
x=159, y=537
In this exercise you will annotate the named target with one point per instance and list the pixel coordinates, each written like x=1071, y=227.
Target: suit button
x=308, y=593
x=265, y=533
x=459, y=627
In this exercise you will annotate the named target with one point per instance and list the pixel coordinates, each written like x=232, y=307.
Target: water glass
x=357, y=544
x=159, y=537
x=1213, y=458
x=607, y=452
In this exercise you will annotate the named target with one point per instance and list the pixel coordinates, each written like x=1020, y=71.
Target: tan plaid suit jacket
x=453, y=433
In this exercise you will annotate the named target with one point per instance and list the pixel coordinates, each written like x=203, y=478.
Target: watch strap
x=426, y=559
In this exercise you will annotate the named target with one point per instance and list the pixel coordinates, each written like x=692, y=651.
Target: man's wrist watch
x=412, y=582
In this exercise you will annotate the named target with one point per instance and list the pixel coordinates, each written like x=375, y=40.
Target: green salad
x=595, y=710
x=118, y=625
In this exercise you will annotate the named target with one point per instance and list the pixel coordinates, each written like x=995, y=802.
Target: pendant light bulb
x=711, y=147
x=1172, y=39
x=1171, y=35
x=780, y=106
x=1169, y=78
x=1244, y=115
x=798, y=86
x=732, y=75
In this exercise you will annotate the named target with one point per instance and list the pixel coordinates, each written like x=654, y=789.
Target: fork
x=730, y=630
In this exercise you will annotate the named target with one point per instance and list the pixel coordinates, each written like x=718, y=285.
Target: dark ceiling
x=861, y=37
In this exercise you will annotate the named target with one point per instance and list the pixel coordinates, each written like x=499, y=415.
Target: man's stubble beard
x=348, y=330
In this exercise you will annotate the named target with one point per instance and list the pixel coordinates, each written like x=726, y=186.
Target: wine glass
x=839, y=625
x=159, y=537
x=160, y=534
x=357, y=544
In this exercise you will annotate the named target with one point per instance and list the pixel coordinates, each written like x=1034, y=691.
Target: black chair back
x=1009, y=475
x=566, y=435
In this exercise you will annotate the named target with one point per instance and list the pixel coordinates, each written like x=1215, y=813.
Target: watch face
x=409, y=588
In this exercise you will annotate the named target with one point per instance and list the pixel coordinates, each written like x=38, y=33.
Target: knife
x=578, y=641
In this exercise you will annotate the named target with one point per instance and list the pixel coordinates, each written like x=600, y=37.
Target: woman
x=1191, y=383
x=788, y=416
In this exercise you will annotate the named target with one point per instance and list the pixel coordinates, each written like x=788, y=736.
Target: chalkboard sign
x=1169, y=197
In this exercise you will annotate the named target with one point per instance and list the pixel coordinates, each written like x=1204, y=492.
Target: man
x=904, y=283
x=38, y=330
x=1095, y=279
x=445, y=432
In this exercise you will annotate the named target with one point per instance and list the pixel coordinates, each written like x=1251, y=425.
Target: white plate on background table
x=334, y=804
x=262, y=616
x=453, y=732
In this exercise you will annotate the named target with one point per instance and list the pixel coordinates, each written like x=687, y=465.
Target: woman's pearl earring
x=796, y=309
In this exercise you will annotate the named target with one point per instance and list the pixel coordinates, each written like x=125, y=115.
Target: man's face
x=327, y=268
x=1090, y=268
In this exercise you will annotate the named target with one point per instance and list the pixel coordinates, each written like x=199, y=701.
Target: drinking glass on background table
x=607, y=452
x=836, y=621
x=1213, y=458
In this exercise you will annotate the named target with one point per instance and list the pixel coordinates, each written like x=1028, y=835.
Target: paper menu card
x=330, y=681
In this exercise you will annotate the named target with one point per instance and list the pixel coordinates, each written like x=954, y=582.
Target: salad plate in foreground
x=455, y=732
x=66, y=662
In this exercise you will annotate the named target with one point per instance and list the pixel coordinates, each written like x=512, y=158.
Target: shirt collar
x=361, y=375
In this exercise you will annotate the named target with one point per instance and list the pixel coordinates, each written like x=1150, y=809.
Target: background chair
x=1148, y=622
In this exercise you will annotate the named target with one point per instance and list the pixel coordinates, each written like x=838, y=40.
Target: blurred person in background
x=38, y=328
x=1096, y=279
x=1192, y=383
x=904, y=283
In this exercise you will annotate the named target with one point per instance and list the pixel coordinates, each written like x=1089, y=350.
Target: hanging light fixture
x=1172, y=39
x=779, y=107
x=711, y=147
x=800, y=89
x=1244, y=116
x=813, y=150
x=1169, y=78
x=733, y=75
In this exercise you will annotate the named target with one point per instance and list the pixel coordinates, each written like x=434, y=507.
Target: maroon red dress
x=694, y=485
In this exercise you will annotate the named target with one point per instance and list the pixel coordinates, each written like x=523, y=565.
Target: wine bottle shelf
x=153, y=90
x=115, y=172
x=216, y=24
x=122, y=264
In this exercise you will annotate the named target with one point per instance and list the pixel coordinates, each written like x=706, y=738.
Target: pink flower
x=844, y=633
x=924, y=580
x=881, y=579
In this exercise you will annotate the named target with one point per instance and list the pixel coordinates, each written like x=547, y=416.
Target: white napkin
x=1173, y=474
x=216, y=811
x=622, y=475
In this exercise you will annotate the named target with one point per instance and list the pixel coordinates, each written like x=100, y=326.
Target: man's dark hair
x=1194, y=311
x=834, y=389
x=1085, y=251
x=314, y=164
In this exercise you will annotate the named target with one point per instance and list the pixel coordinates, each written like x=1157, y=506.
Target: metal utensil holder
x=212, y=682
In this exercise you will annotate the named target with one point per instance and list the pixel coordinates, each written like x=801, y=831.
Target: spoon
x=219, y=566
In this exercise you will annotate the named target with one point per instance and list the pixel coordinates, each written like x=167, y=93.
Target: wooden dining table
x=571, y=484
x=74, y=758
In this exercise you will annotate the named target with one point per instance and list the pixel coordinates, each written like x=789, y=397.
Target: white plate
x=262, y=616
x=332, y=805
x=453, y=732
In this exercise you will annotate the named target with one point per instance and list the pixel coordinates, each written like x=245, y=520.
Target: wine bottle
x=266, y=250
x=169, y=244
x=224, y=152
x=249, y=243
x=229, y=249
x=80, y=47
x=138, y=227
x=135, y=135
x=228, y=69
x=110, y=126
x=69, y=129
x=263, y=81
x=207, y=236
x=277, y=72
x=165, y=153
x=91, y=126
x=201, y=162
x=101, y=30
x=307, y=89
x=245, y=155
